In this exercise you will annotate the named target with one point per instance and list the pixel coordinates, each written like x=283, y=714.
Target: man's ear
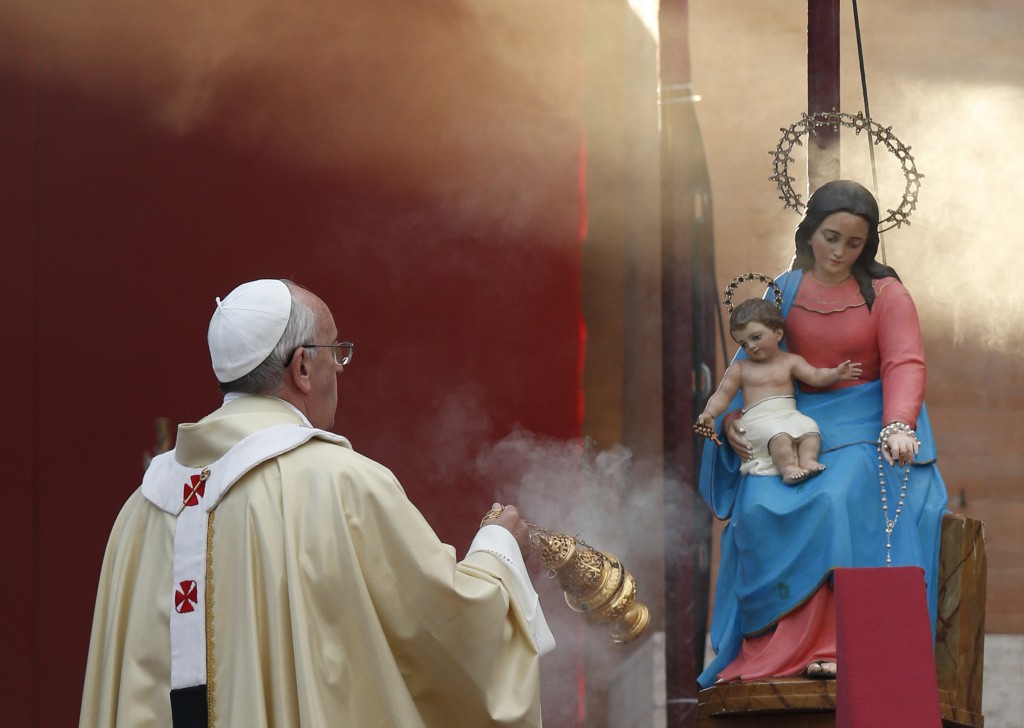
x=298, y=371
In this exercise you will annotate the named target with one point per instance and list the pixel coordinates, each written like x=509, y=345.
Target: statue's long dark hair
x=844, y=196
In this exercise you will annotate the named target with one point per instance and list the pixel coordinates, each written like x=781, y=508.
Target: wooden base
x=960, y=627
x=796, y=702
x=775, y=703
x=792, y=702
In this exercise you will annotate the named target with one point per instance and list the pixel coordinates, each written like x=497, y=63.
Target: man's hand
x=508, y=518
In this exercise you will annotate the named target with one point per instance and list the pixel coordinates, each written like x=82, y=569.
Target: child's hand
x=848, y=370
x=705, y=427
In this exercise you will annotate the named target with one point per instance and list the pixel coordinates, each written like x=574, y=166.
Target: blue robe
x=782, y=542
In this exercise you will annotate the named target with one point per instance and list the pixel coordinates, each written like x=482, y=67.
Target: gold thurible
x=596, y=585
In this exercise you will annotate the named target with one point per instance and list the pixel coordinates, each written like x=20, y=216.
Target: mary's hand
x=736, y=434
x=902, y=447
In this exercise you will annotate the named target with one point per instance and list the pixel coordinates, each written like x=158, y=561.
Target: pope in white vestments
x=321, y=596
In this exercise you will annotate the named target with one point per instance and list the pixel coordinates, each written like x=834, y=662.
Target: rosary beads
x=883, y=444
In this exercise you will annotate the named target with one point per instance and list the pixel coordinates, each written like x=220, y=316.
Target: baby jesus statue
x=785, y=442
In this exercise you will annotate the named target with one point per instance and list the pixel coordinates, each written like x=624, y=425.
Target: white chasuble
x=333, y=601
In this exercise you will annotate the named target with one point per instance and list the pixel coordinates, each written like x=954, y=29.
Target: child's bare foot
x=812, y=468
x=794, y=474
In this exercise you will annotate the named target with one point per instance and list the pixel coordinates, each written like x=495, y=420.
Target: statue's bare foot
x=812, y=468
x=822, y=669
x=794, y=475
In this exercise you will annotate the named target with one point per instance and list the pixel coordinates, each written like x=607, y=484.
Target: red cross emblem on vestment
x=194, y=491
x=185, y=597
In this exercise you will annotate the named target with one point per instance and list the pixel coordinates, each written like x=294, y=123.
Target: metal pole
x=688, y=313
x=822, y=89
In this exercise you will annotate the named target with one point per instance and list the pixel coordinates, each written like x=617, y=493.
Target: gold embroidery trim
x=211, y=691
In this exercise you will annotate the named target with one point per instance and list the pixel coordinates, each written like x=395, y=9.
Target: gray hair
x=268, y=377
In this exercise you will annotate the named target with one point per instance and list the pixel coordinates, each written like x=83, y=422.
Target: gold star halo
x=810, y=123
x=735, y=283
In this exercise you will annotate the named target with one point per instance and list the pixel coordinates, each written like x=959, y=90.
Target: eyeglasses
x=342, y=352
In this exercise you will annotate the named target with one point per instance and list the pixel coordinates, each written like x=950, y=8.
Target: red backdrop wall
x=451, y=259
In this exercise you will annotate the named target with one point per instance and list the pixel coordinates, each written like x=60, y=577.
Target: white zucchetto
x=246, y=327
